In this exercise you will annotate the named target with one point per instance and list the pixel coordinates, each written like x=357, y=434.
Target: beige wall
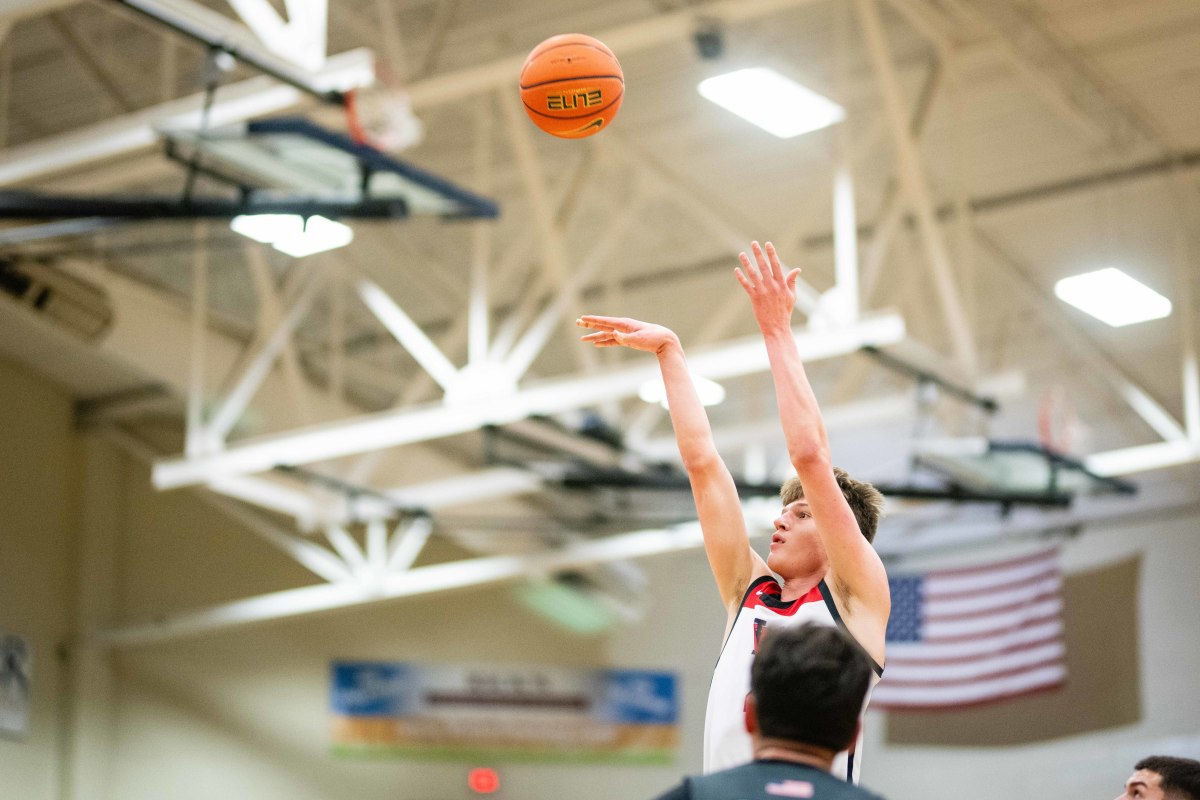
x=243, y=713
x=38, y=466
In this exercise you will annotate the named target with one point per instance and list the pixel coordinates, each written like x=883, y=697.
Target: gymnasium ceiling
x=1053, y=137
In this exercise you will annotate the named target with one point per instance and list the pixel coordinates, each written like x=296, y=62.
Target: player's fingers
x=742, y=279
x=760, y=260
x=607, y=323
x=594, y=321
x=792, y=278
x=748, y=270
x=624, y=324
x=773, y=259
x=754, y=267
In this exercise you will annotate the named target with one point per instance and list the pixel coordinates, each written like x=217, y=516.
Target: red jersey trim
x=765, y=593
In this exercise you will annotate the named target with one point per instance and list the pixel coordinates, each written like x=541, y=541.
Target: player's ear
x=750, y=713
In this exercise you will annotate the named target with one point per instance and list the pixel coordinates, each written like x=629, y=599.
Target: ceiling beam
x=16, y=10
x=234, y=103
x=406, y=426
x=264, y=95
x=94, y=65
x=292, y=52
x=916, y=186
x=644, y=34
x=412, y=582
x=1053, y=67
x=1143, y=458
x=490, y=570
x=1086, y=351
x=318, y=560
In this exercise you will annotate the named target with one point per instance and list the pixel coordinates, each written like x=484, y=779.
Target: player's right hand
x=770, y=286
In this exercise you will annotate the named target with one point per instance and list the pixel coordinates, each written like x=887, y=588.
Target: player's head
x=796, y=546
x=864, y=499
x=1163, y=778
x=807, y=685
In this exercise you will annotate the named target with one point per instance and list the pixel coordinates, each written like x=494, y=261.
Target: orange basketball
x=572, y=86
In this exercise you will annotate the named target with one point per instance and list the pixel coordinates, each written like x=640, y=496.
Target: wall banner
x=504, y=712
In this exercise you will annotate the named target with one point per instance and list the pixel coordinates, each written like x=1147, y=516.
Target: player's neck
x=787, y=750
x=800, y=584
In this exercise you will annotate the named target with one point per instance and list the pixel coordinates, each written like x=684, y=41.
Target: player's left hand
x=772, y=291
x=626, y=332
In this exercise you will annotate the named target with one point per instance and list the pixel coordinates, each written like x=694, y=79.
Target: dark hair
x=864, y=499
x=809, y=683
x=1180, y=776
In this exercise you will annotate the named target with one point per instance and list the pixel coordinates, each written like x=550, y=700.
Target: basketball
x=572, y=86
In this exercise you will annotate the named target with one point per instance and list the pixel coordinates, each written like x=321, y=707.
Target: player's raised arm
x=857, y=574
x=726, y=542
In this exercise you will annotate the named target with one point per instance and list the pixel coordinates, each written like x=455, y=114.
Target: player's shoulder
x=830, y=787
x=680, y=791
x=773, y=779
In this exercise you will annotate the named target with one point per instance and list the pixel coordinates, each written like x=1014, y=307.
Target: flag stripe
x=996, y=605
x=910, y=705
x=936, y=591
x=941, y=584
x=999, y=595
x=963, y=670
x=998, y=565
x=977, y=636
x=971, y=691
x=971, y=651
x=992, y=622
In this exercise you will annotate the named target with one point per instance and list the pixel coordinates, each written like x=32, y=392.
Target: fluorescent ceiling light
x=267, y=228
x=292, y=234
x=774, y=103
x=711, y=393
x=1111, y=296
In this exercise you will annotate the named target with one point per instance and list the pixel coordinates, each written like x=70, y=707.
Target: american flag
x=962, y=637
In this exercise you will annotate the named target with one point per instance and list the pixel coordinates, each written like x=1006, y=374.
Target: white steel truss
x=406, y=426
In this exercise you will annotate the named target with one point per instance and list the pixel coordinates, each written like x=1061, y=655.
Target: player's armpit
x=866, y=623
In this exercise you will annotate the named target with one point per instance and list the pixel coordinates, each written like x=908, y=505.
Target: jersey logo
x=790, y=789
x=760, y=625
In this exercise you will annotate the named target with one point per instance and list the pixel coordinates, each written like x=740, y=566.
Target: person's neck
x=798, y=752
x=799, y=585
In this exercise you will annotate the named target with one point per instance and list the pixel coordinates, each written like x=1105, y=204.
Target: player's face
x=1143, y=785
x=795, y=545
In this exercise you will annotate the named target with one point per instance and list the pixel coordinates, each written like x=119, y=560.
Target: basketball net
x=382, y=116
x=1057, y=424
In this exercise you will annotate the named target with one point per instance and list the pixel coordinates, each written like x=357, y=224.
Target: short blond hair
x=864, y=499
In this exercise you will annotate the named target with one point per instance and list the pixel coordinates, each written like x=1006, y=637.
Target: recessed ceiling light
x=1113, y=297
x=774, y=103
x=292, y=234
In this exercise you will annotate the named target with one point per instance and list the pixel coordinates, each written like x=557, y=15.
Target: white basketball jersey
x=726, y=742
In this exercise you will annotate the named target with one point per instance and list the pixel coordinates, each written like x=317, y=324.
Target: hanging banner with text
x=504, y=712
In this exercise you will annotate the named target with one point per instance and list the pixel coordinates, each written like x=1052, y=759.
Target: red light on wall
x=483, y=780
